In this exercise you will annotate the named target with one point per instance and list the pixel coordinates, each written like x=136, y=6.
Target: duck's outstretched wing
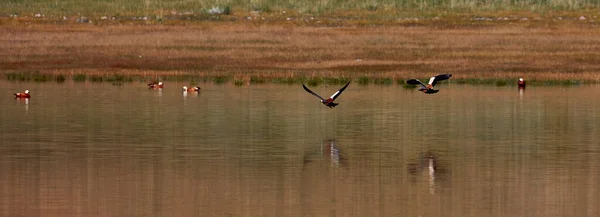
x=313, y=93
x=416, y=82
x=435, y=79
x=336, y=94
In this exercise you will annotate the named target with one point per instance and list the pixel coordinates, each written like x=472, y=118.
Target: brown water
x=91, y=149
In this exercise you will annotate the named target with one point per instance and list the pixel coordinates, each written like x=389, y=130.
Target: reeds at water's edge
x=242, y=79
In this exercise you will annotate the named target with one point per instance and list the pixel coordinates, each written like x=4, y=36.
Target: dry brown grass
x=536, y=50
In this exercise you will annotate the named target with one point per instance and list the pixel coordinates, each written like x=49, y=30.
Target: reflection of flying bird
x=429, y=162
x=23, y=95
x=330, y=150
x=328, y=102
x=432, y=81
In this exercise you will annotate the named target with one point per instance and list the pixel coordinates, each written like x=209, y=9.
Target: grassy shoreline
x=367, y=46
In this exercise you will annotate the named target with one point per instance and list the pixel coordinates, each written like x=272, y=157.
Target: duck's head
x=27, y=91
x=160, y=83
x=184, y=88
x=521, y=79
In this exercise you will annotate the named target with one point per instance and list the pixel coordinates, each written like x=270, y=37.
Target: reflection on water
x=190, y=94
x=24, y=101
x=521, y=91
x=428, y=162
x=86, y=149
x=329, y=151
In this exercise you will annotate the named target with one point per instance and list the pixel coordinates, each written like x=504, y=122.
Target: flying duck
x=521, y=83
x=328, y=102
x=23, y=95
x=428, y=89
x=191, y=89
x=155, y=85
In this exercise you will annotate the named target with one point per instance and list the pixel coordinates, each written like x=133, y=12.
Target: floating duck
x=23, y=95
x=428, y=89
x=521, y=83
x=191, y=89
x=328, y=102
x=154, y=85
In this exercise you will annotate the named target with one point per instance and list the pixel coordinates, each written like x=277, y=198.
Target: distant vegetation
x=166, y=7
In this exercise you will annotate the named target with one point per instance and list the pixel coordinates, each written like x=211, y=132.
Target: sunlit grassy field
x=301, y=41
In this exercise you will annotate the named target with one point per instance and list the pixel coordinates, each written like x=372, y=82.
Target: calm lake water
x=91, y=149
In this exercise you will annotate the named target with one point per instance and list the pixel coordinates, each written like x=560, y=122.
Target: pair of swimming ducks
x=428, y=89
x=160, y=85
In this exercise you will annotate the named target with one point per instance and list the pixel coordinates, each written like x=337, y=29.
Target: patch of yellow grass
x=241, y=50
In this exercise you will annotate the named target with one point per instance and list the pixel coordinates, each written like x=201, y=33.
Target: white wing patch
x=336, y=93
x=431, y=80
